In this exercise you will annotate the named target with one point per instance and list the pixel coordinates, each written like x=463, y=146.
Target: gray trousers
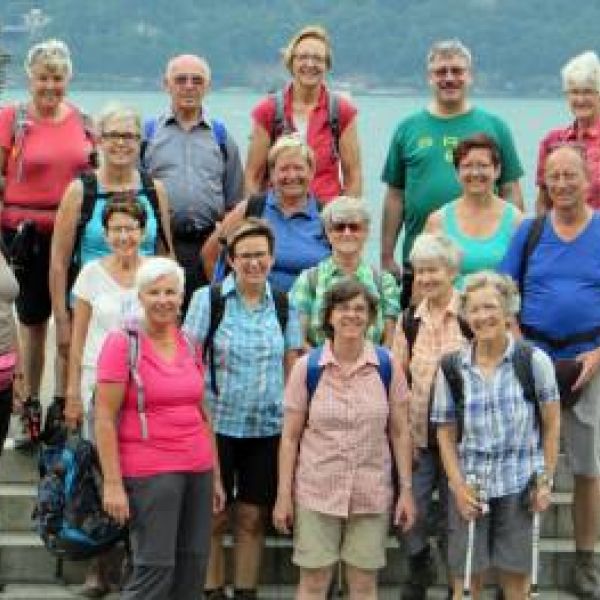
x=170, y=535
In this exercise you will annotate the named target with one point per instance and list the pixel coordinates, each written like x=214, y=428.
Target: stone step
x=271, y=592
x=23, y=558
x=17, y=501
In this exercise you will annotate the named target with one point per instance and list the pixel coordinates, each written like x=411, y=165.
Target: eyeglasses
x=122, y=229
x=123, y=136
x=183, y=78
x=475, y=167
x=455, y=71
x=250, y=256
x=341, y=227
x=318, y=59
x=585, y=92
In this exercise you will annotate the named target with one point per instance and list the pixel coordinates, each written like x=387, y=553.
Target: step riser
x=36, y=565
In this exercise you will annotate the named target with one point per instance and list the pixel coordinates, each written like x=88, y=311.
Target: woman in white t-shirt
x=105, y=298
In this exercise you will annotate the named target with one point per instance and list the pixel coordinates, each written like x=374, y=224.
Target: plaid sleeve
x=301, y=296
x=442, y=409
x=546, y=388
x=390, y=296
x=293, y=331
x=198, y=315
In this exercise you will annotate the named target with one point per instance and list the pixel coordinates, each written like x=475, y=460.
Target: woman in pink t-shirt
x=308, y=107
x=44, y=143
x=155, y=442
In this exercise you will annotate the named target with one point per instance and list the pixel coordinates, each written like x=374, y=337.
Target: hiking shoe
x=216, y=594
x=586, y=579
x=31, y=421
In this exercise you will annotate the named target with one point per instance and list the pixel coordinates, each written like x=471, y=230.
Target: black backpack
x=90, y=195
x=217, y=310
x=68, y=511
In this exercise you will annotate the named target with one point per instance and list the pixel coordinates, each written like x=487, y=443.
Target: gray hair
x=435, y=247
x=503, y=284
x=453, y=47
x=582, y=71
x=201, y=60
x=50, y=53
x=114, y=110
x=287, y=143
x=345, y=208
x=155, y=267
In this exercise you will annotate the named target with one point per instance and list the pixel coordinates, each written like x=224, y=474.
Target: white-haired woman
x=346, y=221
x=498, y=439
x=76, y=243
x=44, y=143
x=581, y=84
x=289, y=208
x=426, y=332
x=307, y=106
x=157, y=449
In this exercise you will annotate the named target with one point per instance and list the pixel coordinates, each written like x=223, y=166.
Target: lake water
x=529, y=119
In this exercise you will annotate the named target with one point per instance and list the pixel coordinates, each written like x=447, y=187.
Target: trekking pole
x=472, y=482
x=535, y=556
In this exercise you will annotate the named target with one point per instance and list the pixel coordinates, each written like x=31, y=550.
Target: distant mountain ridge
x=518, y=46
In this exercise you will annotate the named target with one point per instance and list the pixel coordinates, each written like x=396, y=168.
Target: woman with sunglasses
x=119, y=132
x=289, y=208
x=327, y=121
x=346, y=221
x=479, y=222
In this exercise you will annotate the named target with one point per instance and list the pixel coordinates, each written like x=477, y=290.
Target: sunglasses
x=352, y=227
x=124, y=136
x=445, y=71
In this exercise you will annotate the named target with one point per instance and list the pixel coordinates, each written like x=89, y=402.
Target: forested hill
x=519, y=45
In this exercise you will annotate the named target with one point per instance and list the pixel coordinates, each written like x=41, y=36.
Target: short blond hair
x=115, y=110
x=344, y=208
x=504, y=286
x=291, y=142
x=53, y=54
x=316, y=32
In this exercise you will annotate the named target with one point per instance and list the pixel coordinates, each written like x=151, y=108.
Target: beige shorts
x=321, y=540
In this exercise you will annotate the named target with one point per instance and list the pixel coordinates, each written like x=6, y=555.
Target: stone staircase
x=30, y=571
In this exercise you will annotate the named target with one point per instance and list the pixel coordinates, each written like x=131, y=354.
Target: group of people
x=235, y=358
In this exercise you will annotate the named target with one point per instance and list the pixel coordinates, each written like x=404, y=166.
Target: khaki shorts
x=321, y=540
x=580, y=427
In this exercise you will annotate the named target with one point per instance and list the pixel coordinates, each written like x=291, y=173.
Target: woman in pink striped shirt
x=346, y=414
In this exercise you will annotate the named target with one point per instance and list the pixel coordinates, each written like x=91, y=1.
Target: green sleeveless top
x=478, y=253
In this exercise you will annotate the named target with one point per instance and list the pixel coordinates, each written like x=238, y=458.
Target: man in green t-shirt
x=418, y=171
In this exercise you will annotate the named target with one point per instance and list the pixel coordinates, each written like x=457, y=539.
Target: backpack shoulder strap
x=313, y=371
x=133, y=362
x=88, y=202
x=450, y=366
x=18, y=136
x=220, y=134
x=533, y=237
x=149, y=128
x=385, y=367
x=522, y=363
x=255, y=206
x=312, y=277
x=217, y=309
x=464, y=328
x=280, y=299
x=149, y=190
x=410, y=326
x=280, y=123
x=333, y=116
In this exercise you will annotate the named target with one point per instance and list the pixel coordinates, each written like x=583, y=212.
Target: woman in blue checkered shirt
x=498, y=448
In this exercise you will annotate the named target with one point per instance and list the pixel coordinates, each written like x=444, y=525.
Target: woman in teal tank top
x=479, y=222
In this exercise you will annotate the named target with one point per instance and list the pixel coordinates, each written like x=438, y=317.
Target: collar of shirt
x=468, y=355
x=288, y=96
x=229, y=288
x=203, y=120
x=451, y=311
x=310, y=210
x=593, y=132
x=367, y=357
x=329, y=268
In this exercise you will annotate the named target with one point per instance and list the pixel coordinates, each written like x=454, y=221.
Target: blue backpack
x=68, y=511
x=314, y=370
